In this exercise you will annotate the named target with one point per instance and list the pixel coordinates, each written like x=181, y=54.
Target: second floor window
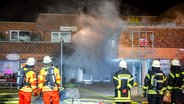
x=56, y=36
x=20, y=35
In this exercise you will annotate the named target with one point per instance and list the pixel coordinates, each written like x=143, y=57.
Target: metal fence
x=10, y=85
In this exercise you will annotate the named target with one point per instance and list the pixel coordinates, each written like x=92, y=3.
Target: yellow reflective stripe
x=40, y=77
x=115, y=78
x=160, y=74
x=34, y=79
x=119, y=81
x=124, y=76
x=171, y=74
x=169, y=87
x=131, y=79
x=160, y=81
x=122, y=100
x=177, y=75
x=182, y=72
x=129, y=85
x=176, y=87
x=161, y=92
x=26, y=89
x=152, y=79
x=145, y=87
x=152, y=92
x=57, y=75
x=119, y=94
x=164, y=88
x=148, y=76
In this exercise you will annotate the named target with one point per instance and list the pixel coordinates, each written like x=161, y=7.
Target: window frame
x=60, y=36
x=18, y=34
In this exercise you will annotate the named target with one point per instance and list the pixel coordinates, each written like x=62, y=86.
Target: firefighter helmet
x=31, y=61
x=47, y=60
x=123, y=64
x=156, y=63
x=175, y=62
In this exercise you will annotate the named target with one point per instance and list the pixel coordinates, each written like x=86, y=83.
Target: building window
x=20, y=35
x=56, y=36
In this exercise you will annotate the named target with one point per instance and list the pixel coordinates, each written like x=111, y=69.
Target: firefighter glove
x=124, y=91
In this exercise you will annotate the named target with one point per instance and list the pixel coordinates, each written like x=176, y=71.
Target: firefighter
x=49, y=82
x=154, y=84
x=182, y=96
x=29, y=83
x=175, y=81
x=123, y=82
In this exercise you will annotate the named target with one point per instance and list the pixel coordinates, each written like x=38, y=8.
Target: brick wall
x=163, y=37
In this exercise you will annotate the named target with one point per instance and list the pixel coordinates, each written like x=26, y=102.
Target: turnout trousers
x=24, y=97
x=155, y=99
x=175, y=96
x=50, y=96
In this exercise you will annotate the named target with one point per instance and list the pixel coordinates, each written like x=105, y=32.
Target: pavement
x=104, y=91
x=93, y=93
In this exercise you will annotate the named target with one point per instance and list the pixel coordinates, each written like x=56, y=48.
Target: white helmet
x=156, y=63
x=30, y=61
x=47, y=60
x=123, y=64
x=175, y=62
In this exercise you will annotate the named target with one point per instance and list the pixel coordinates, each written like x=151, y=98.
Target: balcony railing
x=155, y=24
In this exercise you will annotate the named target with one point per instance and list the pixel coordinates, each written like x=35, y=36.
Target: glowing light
x=83, y=33
x=8, y=71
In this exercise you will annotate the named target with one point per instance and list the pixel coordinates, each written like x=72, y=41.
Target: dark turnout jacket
x=122, y=79
x=155, y=82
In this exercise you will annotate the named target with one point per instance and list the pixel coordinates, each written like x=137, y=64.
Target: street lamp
x=61, y=41
x=65, y=29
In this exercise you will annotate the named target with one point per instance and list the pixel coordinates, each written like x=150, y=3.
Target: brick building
x=146, y=38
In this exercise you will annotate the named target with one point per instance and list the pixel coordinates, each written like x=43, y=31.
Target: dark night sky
x=28, y=10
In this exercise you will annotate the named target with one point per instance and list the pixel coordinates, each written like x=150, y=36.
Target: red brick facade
x=167, y=41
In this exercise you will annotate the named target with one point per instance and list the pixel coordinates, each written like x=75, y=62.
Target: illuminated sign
x=143, y=42
x=12, y=56
x=68, y=28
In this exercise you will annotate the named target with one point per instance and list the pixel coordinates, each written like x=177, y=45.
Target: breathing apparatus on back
x=50, y=77
x=21, y=75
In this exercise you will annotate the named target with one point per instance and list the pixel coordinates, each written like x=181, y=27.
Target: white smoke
x=93, y=42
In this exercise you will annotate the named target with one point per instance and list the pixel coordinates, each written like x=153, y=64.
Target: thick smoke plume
x=96, y=42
